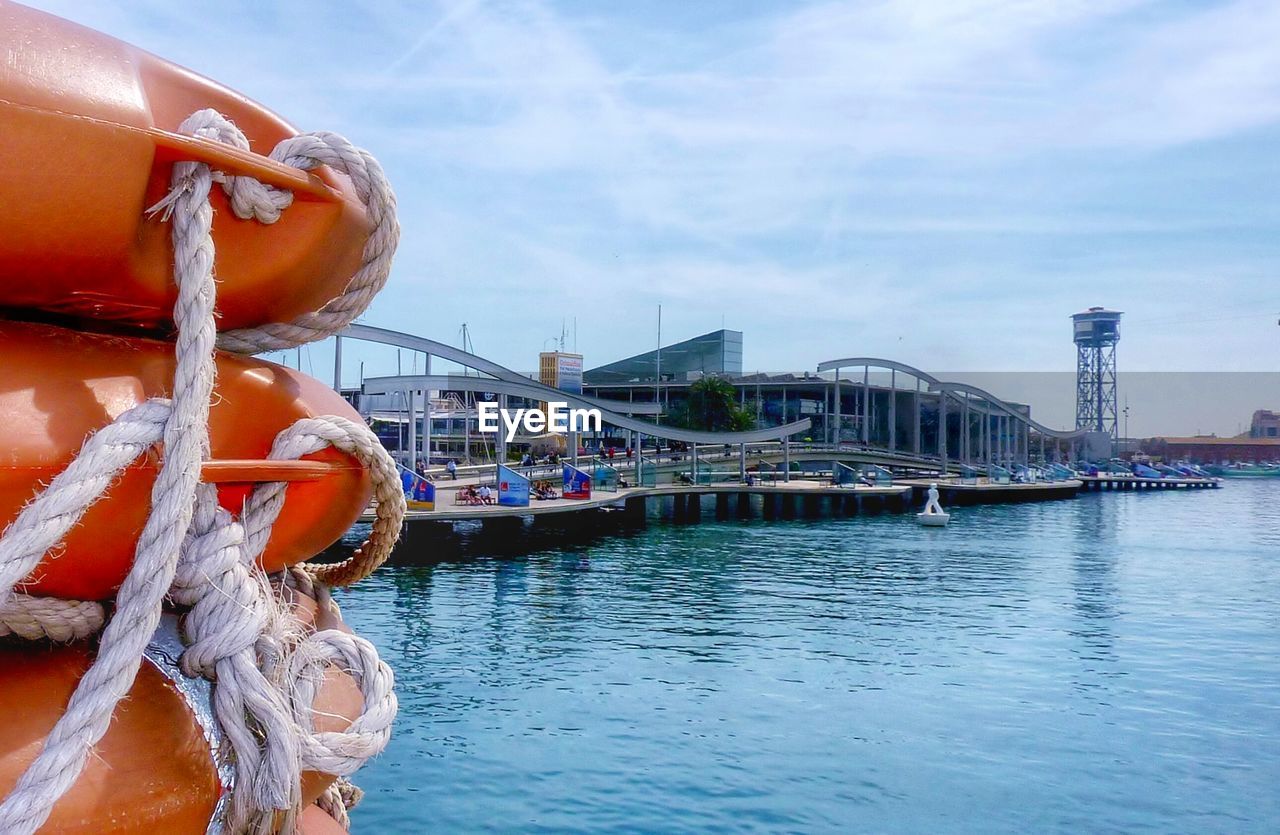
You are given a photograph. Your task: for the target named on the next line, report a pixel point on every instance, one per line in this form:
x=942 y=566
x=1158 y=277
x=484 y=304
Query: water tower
x=1097 y=330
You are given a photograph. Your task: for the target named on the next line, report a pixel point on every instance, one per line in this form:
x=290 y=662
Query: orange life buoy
x=57 y=386
x=154 y=770
x=315 y=821
x=89 y=144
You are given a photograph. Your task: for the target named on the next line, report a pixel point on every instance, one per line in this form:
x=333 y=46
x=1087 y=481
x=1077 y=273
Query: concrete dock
x=775 y=499
x=958 y=494
x=1121 y=481
x=492 y=529
x=607 y=513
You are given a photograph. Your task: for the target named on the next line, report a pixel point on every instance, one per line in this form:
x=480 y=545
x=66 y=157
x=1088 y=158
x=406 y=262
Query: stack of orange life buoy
x=170 y=663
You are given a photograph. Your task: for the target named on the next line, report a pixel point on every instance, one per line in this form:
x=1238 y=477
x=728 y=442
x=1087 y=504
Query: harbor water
x=1109 y=663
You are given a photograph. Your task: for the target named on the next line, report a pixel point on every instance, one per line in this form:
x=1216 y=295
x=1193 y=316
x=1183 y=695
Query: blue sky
x=937 y=182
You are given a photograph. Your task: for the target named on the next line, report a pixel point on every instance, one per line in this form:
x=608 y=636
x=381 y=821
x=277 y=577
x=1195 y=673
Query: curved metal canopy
x=535 y=391
x=944 y=386
x=484 y=366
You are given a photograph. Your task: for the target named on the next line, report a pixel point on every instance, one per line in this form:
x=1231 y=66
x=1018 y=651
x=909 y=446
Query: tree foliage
x=712 y=406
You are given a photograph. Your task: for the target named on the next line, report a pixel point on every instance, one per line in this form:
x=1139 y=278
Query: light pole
x=657 y=381
x=1125 y=410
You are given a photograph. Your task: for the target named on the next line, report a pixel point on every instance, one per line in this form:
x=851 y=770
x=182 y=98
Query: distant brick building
x=1265 y=424
x=1202 y=449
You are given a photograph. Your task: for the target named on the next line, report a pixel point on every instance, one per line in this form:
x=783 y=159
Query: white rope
x=341 y=752
x=250 y=198
x=138 y=603
x=237 y=630
x=234 y=634
x=341 y=796
x=50 y=618
x=311 y=435
x=45 y=520
x=233 y=614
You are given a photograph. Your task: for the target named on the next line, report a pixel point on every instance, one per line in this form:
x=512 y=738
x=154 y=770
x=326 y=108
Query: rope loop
x=252 y=199
x=341 y=752
x=311 y=435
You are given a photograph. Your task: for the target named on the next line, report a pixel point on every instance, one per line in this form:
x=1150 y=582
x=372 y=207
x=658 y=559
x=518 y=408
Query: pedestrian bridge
x=933 y=425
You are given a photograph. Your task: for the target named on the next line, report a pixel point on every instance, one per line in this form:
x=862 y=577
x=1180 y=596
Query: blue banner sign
x=577 y=484
x=513 y=488
x=419 y=493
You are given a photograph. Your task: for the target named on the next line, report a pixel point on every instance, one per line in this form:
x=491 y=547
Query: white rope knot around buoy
x=238 y=631
x=250 y=198
x=341 y=796
x=341 y=753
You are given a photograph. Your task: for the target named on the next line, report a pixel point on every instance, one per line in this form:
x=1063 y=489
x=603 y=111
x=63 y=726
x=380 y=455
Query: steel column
x=426 y=415
x=836 y=439
x=942 y=429
x=500 y=444
x=915 y=439
x=337 y=364
x=413 y=428
x=866 y=405
x=893 y=409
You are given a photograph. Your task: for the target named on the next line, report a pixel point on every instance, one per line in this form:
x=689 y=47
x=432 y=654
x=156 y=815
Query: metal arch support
x=938 y=385
x=535 y=391
x=1001 y=406
x=368 y=333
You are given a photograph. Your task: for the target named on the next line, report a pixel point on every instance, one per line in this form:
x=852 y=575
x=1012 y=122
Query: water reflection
x=1098 y=519
x=1054 y=666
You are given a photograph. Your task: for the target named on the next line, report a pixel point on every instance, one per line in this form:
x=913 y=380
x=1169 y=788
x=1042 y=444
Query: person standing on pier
x=452 y=469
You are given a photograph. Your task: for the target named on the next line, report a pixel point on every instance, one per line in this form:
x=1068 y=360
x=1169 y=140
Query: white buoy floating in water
x=933 y=515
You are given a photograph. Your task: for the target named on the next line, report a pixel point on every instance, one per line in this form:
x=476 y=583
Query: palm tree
x=712 y=406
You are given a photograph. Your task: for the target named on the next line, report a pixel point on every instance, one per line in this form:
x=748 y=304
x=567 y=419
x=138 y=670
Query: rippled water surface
x=1103 y=664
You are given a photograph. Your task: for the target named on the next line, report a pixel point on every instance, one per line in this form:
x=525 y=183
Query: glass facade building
x=718 y=352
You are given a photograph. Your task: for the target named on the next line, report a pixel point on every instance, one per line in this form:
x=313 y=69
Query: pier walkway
x=1121 y=481
x=799 y=498
x=678 y=492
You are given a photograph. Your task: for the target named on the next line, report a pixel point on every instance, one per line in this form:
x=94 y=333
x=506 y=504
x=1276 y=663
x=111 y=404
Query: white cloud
x=918 y=175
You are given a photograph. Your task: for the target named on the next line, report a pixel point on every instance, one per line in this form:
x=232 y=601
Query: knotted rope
x=252 y=199
x=238 y=632
x=340 y=797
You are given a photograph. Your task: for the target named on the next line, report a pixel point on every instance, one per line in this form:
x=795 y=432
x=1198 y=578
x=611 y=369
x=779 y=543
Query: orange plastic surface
x=58 y=385
x=89 y=144
x=153 y=771
x=315 y=821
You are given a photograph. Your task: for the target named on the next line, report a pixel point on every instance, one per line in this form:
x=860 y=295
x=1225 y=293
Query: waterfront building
x=863 y=402
x=1210 y=449
x=1265 y=424
x=718 y=352
x=873 y=403
x=561 y=370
